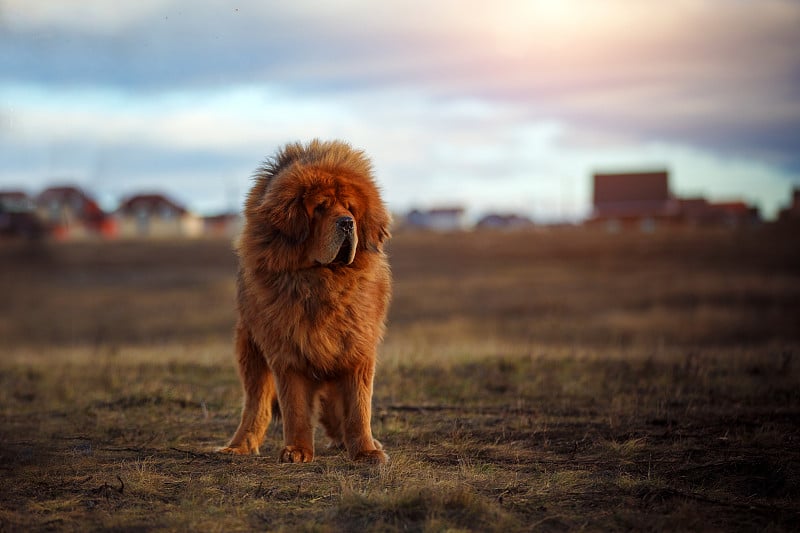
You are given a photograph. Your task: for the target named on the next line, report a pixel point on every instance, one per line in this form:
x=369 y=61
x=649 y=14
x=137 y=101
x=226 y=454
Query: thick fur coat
x=313 y=290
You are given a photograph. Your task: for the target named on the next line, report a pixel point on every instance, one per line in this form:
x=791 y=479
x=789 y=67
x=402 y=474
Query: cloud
x=191 y=145
x=476 y=153
x=524 y=98
x=85 y=16
x=720 y=74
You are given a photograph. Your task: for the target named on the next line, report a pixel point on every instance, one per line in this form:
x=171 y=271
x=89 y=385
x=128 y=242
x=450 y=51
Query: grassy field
x=551 y=380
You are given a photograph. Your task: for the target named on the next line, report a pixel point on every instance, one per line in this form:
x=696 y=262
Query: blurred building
x=636 y=198
x=70 y=213
x=156 y=216
x=701 y=212
x=644 y=200
x=225 y=225
x=438 y=219
x=18 y=216
x=791 y=214
x=504 y=221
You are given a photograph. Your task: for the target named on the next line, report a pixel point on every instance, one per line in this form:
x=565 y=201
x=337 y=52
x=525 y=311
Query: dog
x=313 y=290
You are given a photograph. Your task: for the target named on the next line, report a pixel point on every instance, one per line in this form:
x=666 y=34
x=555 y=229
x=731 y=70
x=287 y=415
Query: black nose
x=345 y=224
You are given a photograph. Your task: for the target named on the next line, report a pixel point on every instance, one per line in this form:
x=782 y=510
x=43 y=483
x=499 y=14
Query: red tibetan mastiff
x=313 y=290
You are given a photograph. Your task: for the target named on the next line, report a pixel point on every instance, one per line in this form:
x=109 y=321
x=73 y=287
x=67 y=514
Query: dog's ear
x=295 y=223
x=285 y=210
x=375 y=227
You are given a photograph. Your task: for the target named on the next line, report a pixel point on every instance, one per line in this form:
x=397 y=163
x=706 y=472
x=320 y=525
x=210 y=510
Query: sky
x=496 y=106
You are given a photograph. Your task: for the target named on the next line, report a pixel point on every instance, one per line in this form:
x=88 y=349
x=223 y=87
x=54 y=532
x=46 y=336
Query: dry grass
x=541 y=381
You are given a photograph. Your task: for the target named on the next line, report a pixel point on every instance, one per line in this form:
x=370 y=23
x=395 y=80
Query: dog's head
x=317 y=205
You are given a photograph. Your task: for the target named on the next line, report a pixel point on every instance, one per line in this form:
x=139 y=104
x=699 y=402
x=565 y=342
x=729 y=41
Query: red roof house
x=70 y=212
x=156 y=216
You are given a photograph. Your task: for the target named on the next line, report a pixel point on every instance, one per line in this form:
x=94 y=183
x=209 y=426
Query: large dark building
x=633 y=195
x=644 y=199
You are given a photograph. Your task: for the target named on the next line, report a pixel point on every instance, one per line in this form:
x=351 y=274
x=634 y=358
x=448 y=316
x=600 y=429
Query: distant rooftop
x=149 y=203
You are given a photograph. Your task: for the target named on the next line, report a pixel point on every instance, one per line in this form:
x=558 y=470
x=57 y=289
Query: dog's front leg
x=357 y=399
x=296 y=399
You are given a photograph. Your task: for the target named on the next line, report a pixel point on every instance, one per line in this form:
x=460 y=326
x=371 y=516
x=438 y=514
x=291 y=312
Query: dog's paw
x=295 y=454
x=376 y=457
x=237 y=450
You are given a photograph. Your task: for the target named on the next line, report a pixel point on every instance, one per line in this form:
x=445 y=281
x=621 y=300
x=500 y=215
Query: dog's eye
x=320 y=207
